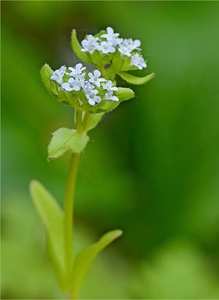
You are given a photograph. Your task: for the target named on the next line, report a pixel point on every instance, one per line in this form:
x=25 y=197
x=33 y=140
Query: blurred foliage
x=156 y=156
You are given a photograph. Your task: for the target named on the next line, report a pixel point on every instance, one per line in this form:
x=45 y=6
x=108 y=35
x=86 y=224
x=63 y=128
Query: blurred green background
x=151 y=167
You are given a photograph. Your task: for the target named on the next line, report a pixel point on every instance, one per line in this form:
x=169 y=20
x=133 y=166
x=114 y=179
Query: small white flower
x=71 y=85
x=134 y=45
x=89 y=44
x=77 y=70
x=124 y=48
x=110 y=35
x=63 y=70
x=109 y=86
x=58 y=75
x=87 y=87
x=106 y=47
x=109 y=96
x=138 y=61
x=95 y=79
x=92 y=97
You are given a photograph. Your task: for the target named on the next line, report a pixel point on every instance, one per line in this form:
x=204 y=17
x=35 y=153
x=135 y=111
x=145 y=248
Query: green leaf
x=124 y=94
x=53 y=220
x=57 y=146
x=78 y=142
x=77 y=48
x=64 y=140
x=134 y=79
x=85 y=258
x=46 y=72
x=96 y=57
x=93 y=120
x=103 y=62
x=115 y=66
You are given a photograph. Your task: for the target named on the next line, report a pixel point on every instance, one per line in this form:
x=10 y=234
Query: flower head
x=109 y=43
x=89 y=86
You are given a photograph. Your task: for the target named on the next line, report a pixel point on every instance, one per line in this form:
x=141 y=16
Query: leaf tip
x=33 y=185
x=118 y=233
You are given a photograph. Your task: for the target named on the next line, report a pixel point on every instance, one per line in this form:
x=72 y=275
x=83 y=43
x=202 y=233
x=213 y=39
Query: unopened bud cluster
x=89 y=84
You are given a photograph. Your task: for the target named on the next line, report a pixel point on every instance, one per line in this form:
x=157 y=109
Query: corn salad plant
x=92 y=94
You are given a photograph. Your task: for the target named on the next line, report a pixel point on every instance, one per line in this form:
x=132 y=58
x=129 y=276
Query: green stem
x=86 y=117
x=79 y=121
x=69 y=207
x=68 y=214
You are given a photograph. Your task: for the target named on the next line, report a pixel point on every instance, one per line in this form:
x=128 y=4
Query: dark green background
x=151 y=167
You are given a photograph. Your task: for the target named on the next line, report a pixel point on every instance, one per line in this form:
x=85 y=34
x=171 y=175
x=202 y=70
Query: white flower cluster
x=110 y=42
x=91 y=84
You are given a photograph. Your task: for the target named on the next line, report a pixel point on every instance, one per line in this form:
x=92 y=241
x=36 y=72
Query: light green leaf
x=46 y=72
x=134 y=79
x=115 y=66
x=85 y=258
x=77 y=48
x=57 y=146
x=103 y=62
x=64 y=140
x=93 y=120
x=78 y=142
x=124 y=94
x=96 y=57
x=53 y=220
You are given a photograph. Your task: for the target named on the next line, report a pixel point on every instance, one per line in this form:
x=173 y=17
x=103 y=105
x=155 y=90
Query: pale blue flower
x=92 y=97
x=58 y=75
x=72 y=85
x=109 y=96
x=138 y=61
x=87 y=87
x=124 y=48
x=95 y=79
x=77 y=70
x=110 y=35
x=106 y=47
x=89 y=44
x=109 y=86
x=134 y=45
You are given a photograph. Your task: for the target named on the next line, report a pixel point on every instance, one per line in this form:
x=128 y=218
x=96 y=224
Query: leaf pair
x=52 y=217
x=65 y=140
